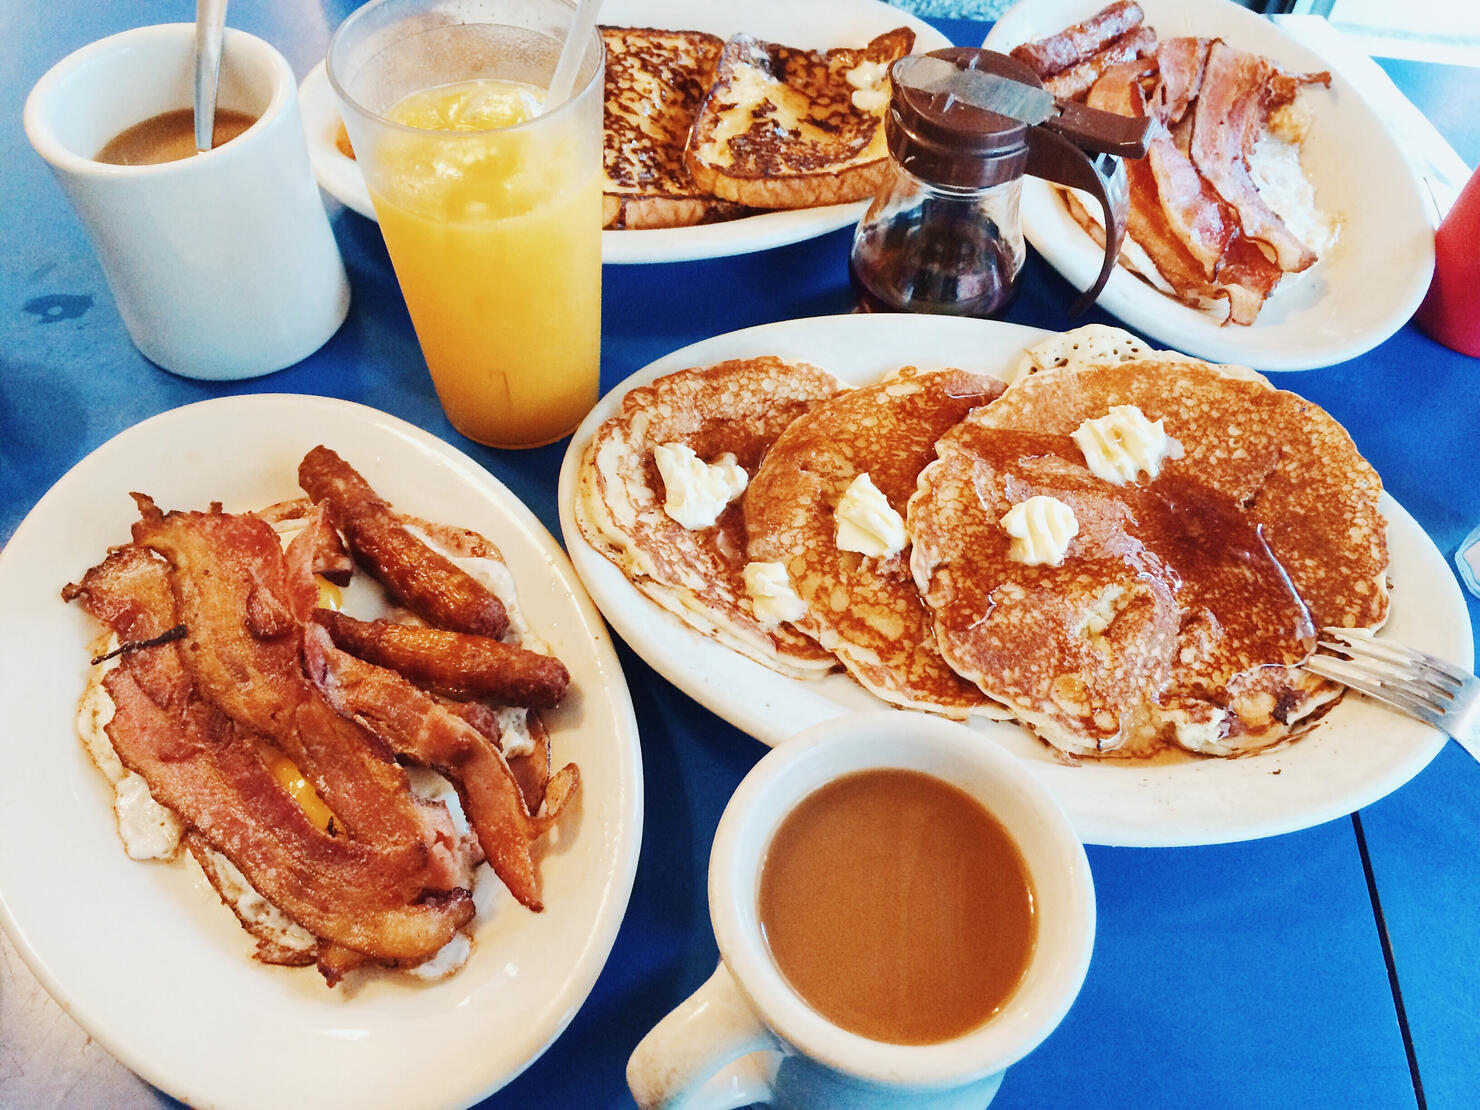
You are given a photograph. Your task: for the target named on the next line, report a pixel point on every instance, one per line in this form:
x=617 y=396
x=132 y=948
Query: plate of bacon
x=1274 y=221
x=323 y=779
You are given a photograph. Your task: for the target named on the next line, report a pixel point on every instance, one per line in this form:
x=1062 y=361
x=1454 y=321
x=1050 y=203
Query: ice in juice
x=493 y=225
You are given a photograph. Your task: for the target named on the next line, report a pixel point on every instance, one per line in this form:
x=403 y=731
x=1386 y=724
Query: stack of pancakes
x=1179 y=615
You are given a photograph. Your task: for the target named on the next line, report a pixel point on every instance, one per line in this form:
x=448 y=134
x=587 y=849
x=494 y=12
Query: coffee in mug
x=897 y=906
x=828 y=876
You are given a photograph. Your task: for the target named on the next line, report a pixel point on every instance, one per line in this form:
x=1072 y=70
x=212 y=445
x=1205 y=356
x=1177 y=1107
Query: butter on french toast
x=790 y=128
x=655 y=81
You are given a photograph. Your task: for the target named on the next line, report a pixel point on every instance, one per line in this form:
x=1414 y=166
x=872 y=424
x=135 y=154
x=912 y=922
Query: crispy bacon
x=209 y=770
x=424 y=731
x=229 y=565
x=1146 y=222
x=1190 y=235
x=1073 y=45
x=431 y=586
x=453 y=664
x=1179 y=65
x=1136 y=44
x=1194 y=212
x=1238 y=92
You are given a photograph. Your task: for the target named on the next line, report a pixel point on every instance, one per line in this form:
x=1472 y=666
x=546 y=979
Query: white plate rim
x=1139 y=806
x=381 y=1015
x=1303 y=339
x=828 y=23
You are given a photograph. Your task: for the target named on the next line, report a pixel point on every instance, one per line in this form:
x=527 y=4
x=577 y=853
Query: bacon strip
x=1194 y=212
x=1190 y=235
x=1135 y=44
x=1146 y=222
x=230 y=566
x=1056 y=53
x=431 y=586
x=1238 y=92
x=209 y=770
x=1180 y=63
x=424 y=731
x=453 y=664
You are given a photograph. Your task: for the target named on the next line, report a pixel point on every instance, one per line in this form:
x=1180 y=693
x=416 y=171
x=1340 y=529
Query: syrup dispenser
x=963 y=127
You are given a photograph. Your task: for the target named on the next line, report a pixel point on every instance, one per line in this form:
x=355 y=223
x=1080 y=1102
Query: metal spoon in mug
x=210 y=25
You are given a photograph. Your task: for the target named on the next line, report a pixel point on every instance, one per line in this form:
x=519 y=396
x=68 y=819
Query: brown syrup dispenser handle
x=1054 y=157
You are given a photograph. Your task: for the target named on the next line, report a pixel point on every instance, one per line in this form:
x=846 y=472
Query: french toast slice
x=655 y=81
x=791 y=128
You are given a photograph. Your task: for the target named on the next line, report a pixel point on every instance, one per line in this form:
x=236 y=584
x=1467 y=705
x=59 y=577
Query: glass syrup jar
x=943 y=234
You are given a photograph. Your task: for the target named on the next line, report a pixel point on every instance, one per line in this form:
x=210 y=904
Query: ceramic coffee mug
x=223 y=264
x=746 y=1036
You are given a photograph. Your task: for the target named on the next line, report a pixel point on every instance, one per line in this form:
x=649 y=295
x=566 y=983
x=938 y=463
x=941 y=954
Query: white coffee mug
x=223 y=264
x=745 y=1036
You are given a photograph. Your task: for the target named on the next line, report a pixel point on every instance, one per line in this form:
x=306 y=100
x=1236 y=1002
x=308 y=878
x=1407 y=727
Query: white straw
x=571 y=53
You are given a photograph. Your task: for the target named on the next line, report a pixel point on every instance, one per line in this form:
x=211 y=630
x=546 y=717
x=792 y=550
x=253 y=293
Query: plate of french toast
x=728 y=129
x=333 y=755
x=1108 y=558
x=1273 y=221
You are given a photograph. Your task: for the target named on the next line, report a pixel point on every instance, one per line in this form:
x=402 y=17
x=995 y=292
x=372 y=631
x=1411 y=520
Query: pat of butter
x=771 y=594
x=866 y=521
x=1041 y=528
x=1122 y=443
x=867 y=79
x=865 y=75
x=697 y=492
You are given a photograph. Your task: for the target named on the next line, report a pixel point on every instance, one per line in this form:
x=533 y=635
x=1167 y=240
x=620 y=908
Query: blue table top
x=1330 y=967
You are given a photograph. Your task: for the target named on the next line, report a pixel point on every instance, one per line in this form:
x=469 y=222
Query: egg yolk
x=330 y=595
x=293 y=781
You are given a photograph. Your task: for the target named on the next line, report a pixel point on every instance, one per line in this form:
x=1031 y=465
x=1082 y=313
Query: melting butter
x=772 y=596
x=697 y=492
x=867 y=523
x=1041 y=528
x=1121 y=444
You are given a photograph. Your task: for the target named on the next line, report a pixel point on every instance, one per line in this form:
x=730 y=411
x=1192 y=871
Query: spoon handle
x=210 y=23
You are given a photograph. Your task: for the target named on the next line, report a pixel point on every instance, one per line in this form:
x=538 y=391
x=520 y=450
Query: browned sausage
x=1073 y=45
x=431 y=586
x=453 y=664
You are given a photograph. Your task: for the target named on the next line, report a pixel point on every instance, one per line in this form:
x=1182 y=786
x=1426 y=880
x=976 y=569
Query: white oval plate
x=1365 y=288
x=143 y=955
x=814 y=25
x=1359 y=753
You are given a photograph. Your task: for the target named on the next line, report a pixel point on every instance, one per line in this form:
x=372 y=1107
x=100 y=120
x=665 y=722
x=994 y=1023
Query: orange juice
x=492 y=218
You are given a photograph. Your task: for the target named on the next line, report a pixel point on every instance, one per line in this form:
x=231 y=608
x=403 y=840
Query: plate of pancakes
x=1140 y=678
x=142 y=953
x=815 y=26
x=1328 y=167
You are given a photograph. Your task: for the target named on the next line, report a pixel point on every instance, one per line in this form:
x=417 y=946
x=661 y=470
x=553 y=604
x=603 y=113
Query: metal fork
x=1420 y=685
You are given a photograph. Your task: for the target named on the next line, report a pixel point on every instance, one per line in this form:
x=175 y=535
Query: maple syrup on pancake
x=897 y=907
x=169 y=137
x=1217 y=557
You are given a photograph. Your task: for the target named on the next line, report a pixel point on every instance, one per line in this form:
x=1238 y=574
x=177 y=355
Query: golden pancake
x=864 y=607
x=737 y=407
x=1185 y=603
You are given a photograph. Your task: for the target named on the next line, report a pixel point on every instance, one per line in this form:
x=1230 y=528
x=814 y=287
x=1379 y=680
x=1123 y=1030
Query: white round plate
x=143 y=955
x=1357 y=754
x=813 y=25
x=1365 y=288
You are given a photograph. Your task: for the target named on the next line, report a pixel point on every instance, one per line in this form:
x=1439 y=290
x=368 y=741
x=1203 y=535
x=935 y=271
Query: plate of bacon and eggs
x=143 y=955
x=1361 y=288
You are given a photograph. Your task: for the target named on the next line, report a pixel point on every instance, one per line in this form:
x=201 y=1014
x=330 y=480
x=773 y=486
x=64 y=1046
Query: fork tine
x=1343 y=672
x=1416 y=681
x=1360 y=642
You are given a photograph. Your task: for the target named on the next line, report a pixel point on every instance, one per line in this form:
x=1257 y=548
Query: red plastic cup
x=1451 y=311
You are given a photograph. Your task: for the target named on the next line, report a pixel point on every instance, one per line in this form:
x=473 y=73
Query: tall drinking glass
x=490 y=204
